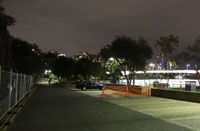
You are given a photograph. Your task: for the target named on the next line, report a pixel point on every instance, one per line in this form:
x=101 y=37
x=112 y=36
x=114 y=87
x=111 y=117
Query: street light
x=188 y=65
x=152 y=65
x=47 y=71
x=111 y=58
x=107 y=72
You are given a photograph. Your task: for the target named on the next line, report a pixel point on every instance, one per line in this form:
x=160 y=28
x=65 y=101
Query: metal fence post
x=0 y=76
x=21 y=84
x=25 y=85
x=10 y=89
x=30 y=83
x=24 y=88
x=16 y=89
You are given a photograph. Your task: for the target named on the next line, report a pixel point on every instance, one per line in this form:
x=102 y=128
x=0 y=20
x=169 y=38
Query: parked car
x=89 y=85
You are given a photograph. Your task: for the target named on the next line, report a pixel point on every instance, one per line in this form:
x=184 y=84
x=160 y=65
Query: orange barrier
x=103 y=91
x=149 y=90
x=126 y=91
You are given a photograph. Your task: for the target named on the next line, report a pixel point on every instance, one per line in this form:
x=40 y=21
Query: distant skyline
x=71 y=26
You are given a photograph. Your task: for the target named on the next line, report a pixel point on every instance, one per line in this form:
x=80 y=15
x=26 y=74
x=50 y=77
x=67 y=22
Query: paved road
x=53 y=108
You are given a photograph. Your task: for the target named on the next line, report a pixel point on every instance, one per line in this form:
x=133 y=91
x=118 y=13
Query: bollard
x=102 y=96
x=126 y=90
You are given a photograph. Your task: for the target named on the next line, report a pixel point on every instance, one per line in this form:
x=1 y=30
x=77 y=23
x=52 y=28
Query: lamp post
x=187 y=66
x=152 y=65
x=111 y=58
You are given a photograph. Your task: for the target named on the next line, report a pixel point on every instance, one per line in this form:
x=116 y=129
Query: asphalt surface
x=53 y=108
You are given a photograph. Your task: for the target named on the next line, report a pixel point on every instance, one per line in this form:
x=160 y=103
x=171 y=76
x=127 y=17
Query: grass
x=182 y=89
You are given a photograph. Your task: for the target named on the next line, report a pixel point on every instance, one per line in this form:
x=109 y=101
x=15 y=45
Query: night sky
x=71 y=26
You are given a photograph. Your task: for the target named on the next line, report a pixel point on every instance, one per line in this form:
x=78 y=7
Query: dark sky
x=71 y=26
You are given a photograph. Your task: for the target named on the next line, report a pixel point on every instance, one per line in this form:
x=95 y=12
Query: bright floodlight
x=47 y=71
x=107 y=72
x=151 y=64
x=111 y=58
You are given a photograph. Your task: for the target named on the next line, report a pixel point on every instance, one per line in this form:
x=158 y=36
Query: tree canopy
x=27 y=58
x=63 y=67
x=5 y=39
x=167 y=46
x=131 y=54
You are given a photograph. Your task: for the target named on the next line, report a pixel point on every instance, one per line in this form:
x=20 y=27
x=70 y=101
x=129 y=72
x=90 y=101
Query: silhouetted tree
x=88 y=67
x=167 y=45
x=27 y=57
x=195 y=50
x=63 y=67
x=5 y=41
x=129 y=53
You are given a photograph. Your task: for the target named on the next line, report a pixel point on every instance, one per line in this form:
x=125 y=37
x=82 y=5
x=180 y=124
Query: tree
x=63 y=67
x=87 y=67
x=84 y=68
x=195 y=50
x=5 y=41
x=167 y=45
x=111 y=67
x=27 y=58
x=130 y=54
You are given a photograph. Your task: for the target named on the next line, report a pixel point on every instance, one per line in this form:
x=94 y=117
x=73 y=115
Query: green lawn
x=182 y=89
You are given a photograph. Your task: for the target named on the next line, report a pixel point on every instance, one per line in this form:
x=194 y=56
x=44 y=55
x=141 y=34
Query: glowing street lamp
x=111 y=58
x=107 y=72
x=47 y=71
x=187 y=66
x=152 y=65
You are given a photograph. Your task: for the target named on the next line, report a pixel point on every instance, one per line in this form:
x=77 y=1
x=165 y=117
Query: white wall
x=176 y=83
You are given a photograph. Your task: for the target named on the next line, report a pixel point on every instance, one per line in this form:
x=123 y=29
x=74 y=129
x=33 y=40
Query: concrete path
x=183 y=113
x=186 y=114
x=53 y=108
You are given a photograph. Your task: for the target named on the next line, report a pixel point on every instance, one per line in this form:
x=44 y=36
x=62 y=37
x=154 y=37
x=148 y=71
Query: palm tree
x=167 y=45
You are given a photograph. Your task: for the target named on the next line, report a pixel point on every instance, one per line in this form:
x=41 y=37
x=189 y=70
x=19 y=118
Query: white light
x=47 y=71
x=188 y=64
x=168 y=71
x=111 y=58
x=62 y=55
x=151 y=64
x=107 y=72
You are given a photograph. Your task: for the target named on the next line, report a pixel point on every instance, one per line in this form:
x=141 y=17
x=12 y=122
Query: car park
x=89 y=85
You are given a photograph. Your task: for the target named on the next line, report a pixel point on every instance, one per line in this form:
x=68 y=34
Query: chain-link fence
x=13 y=87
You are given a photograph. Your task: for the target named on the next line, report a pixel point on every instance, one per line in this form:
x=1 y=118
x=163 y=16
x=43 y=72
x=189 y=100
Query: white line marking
x=148 y=103
x=183 y=118
x=170 y=108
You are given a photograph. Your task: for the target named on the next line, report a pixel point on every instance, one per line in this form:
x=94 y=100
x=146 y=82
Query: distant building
x=55 y=53
x=60 y=54
x=52 y=52
x=81 y=55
